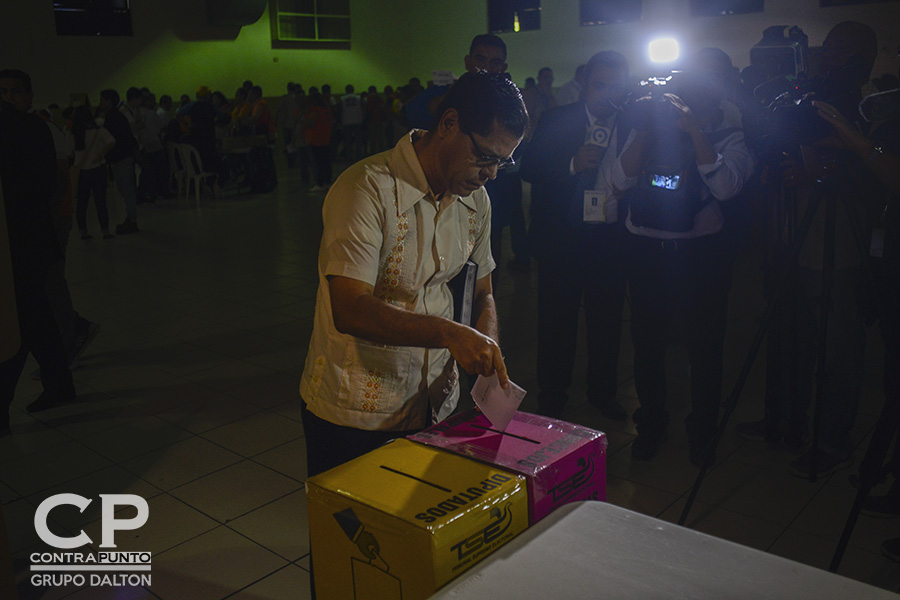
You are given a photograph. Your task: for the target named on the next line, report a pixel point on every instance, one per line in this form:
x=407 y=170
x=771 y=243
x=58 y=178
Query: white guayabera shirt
x=384 y=226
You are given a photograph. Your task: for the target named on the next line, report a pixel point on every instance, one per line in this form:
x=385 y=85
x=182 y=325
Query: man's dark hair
x=21 y=76
x=481 y=98
x=487 y=39
x=541 y=72
x=132 y=93
x=111 y=96
x=608 y=58
x=256 y=89
x=862 y=41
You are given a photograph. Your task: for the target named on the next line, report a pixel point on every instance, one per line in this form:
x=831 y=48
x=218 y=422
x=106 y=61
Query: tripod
x=826 y=191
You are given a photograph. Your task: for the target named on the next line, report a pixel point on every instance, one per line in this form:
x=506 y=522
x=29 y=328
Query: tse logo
x=110 y=524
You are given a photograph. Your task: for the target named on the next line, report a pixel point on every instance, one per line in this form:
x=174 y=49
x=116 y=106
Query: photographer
x=880 y=153
x=685 y=155
x=834 y=157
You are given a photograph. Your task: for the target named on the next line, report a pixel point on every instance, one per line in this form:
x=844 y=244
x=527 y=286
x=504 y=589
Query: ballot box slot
x=491 y=429
x=434 y=485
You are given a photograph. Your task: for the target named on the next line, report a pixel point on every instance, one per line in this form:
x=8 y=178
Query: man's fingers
x=500 y=367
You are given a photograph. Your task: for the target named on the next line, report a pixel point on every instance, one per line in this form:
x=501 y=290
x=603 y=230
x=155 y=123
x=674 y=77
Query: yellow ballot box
x=404 y=519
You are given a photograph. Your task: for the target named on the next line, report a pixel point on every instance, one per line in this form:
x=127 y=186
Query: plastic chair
x=193 y=170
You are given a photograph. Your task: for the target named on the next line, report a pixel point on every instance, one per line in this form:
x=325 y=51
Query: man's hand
x=587 y=157
x=478 y=354
x=687 y=122
x=845 y=134
x=359 y=313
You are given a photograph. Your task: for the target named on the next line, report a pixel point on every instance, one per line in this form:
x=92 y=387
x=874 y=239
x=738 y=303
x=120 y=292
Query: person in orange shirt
x=260 y=120
x=242 y=109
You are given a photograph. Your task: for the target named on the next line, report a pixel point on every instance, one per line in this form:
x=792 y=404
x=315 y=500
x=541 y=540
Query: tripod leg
x=826 y=305
x=814 y=202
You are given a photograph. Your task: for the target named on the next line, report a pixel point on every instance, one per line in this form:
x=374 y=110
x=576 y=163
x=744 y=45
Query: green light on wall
x=516 y=22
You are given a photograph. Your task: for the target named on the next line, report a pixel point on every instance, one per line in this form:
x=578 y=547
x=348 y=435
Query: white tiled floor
x=188 y=398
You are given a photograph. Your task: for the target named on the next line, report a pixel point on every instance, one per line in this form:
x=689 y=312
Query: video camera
x=648 y=109
x=784 y=92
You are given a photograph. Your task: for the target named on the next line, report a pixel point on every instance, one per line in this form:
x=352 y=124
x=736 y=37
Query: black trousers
x=40 y=336
x=322 y=157
x=588 y=273
x=92 y=181
x=679 y=293
x=329 y=445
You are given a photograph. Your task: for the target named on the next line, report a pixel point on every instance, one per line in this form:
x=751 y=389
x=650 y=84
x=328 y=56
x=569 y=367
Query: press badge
x=599 y=207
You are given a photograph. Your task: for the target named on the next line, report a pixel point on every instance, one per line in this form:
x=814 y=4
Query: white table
x=591 y=550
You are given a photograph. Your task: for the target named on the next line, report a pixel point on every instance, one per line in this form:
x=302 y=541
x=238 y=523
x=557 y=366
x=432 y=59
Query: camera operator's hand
x=686 y=120
x=587 y=157
x=847 y=136
x=688 y=123
x=884 y=164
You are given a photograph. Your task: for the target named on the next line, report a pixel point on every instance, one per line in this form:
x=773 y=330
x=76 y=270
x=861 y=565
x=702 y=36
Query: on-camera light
x=663 y=50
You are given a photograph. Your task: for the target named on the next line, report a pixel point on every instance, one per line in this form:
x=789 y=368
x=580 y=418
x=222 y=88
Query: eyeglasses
x=483 y=159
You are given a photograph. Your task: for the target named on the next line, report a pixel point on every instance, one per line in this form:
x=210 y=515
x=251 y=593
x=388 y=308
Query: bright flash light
x=663 y=50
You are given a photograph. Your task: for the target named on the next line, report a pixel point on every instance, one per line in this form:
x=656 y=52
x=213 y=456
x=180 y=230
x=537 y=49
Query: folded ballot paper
x=497 y=404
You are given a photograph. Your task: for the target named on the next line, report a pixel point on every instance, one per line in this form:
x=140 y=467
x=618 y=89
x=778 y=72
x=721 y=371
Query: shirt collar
x=412 y=185
x=592 y=120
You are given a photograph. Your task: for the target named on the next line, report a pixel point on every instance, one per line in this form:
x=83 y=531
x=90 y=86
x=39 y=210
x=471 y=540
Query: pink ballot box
x=562 y=462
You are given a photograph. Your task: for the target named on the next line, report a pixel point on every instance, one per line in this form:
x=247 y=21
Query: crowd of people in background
x=127 y=136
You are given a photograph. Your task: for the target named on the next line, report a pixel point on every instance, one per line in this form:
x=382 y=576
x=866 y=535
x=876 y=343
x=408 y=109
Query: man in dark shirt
x=578 y=251
x=121 y=158
x=28 y=174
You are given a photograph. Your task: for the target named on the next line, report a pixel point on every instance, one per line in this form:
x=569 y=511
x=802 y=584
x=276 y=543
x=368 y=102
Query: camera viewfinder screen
x=667 y=182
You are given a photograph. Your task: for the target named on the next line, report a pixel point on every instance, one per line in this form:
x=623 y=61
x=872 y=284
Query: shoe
x=317 y=188
x=882 y=507
x=700 y=448
x=755 y=431
x=611 y=409
x=127 y=227
x=521 y=266
x=73 y=364
x=646 y=446
x=86 y=236
x=46 y=401
x=891 y=549
x=826 y=464
x=107 y=235
x=83 y=340
x=796 y=442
